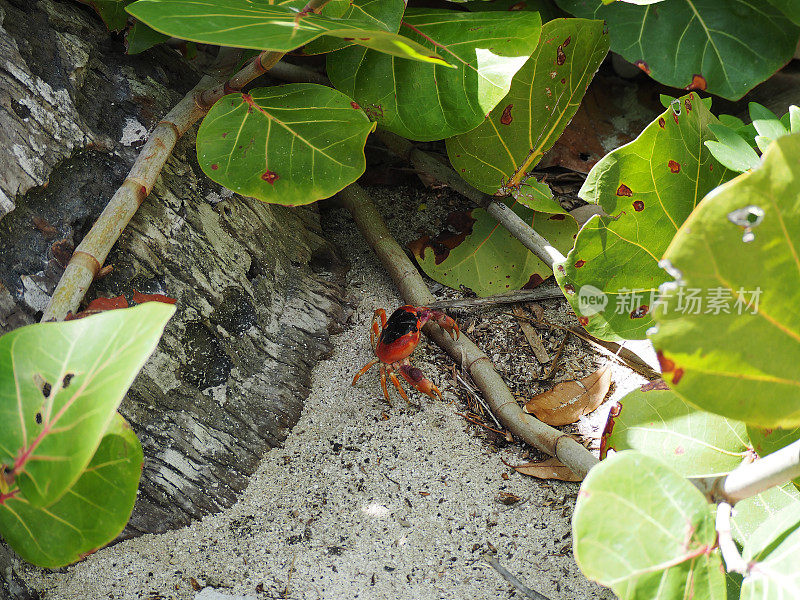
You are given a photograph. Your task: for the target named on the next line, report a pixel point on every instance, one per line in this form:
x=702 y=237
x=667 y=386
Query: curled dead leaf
x=552 y=468
x=570 y=400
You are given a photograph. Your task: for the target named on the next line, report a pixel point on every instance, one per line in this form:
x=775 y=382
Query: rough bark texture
x=257 y=287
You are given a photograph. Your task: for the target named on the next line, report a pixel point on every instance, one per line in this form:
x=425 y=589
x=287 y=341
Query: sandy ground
x=363 y=501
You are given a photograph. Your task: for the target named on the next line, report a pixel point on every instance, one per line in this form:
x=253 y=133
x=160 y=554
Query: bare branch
x=545 y=291
x=734 y=562
x=512 y=579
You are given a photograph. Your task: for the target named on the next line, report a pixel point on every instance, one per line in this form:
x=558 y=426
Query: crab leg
x=399 y=387
x=364 y=369
x=415 y=377
x=383 y=384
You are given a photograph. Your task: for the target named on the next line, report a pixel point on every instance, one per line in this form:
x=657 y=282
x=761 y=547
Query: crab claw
x=415 y=377
x=446 y=323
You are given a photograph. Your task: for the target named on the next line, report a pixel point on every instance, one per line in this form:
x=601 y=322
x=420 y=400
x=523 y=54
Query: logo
x=591 y=300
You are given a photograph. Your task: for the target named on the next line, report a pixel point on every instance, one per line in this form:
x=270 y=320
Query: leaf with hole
x=500 y=153
x=381 y=14
x=649 y=187
x=720 y=47
x=89 y=515
x=428 y=102
x=60 y=386
x=643 y=530
x=738 y=355
x=288 y=144
x=659 y=423
x=482 y=255
x=280 y=27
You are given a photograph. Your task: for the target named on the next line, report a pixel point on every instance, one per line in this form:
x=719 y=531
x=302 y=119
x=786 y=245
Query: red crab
x=394 y=342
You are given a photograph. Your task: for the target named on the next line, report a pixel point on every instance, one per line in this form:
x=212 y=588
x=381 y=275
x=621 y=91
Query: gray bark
x=257 y=287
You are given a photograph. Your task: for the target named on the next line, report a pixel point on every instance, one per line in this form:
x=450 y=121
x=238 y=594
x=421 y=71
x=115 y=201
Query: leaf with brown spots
x=476 y=252
x=568 y=401
x=288 y=144
x=545 y=94
x=648 y=187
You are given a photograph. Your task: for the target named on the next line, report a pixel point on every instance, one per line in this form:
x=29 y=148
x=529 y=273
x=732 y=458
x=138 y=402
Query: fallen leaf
x=570 y=400
x=534 y=340
x=140 y=298
x=552 y=468
x=99 y=305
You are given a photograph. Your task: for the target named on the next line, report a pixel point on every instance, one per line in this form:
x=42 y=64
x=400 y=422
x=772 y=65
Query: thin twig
x=544 y=291
x=734 y=563
x=474 y=393
x=556 y=359
x=512 y=579
x=413 y=289
x=88 y=258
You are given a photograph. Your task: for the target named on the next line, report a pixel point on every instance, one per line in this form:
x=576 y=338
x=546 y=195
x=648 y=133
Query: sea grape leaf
x=723 y=48
x=265 y=26
x=738 y=355
x=89 y=515
x=643 y=530
x=485 y=257
x=767 y=441
x=731 y=149
x=140 y=37
x=499 y=154
x=790 y=8
x=692 y=442
x=753 y=511
x=649 y=187
x=427 y=102
x=111 y=11
x=288 y=144
x=60 y=386
x=773 y=556
x=381 y=14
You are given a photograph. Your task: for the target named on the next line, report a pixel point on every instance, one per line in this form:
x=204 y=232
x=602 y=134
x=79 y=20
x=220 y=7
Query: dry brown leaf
x=534 y=340
x=570 y=400
x=552 y=468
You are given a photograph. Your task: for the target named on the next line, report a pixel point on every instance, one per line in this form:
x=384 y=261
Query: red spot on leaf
x=679 y=450
x=677 y=376
x=710 y=167
x=567 y=41
x=583 y=321
x=506 y=117
x=569 y=289
x=643 y=66
x=667 y=365
x=349 y=39
x=270 y=176
x=640 y=312
x=688 y=103
x=561 y=269
x=675 y=117
x=563 y=80
x=214 y=167
x=355 y=105
x=364 y=39
x=624 y=190
x=661 y=122
x=608 y=429
x=580 y=263
x=224 y=135
x=674 y=166
x=698 y=83
x=638 y=206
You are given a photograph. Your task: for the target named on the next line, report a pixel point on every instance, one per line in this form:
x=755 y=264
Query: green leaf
x=740 y=247
x=111 y=11
x=380 y=14
x=692 y=442
x=753 y=511
x=427 y=102
x=649 y=187
x=790 y=8
x=547 y=9
x=60 y=386
x=773 y=555
x=485 y=257
x=140 y=37
x=89 y=515
x=732 y=150
x=500 y=153
x=289 y=144
x=644 y=531
x=263 y=26
x=698 y=44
